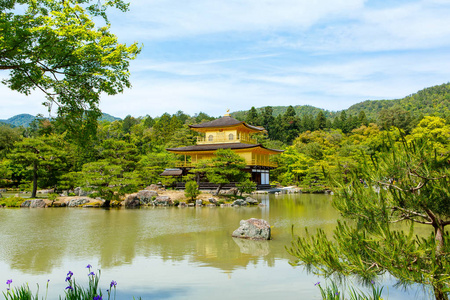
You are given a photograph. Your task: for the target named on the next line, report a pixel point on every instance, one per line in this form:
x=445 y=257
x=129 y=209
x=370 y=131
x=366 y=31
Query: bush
x=246 y=186
x=191 y=190
x=53 y=196
x=12 y=202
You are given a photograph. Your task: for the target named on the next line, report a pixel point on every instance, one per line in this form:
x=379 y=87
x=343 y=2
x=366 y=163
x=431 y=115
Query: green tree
x=54 y=46
x=8 y=136
x=321 y=121
x=225 y=167
x=108 y=179
x=246 y=186
x=41 y=157
x=252 y=117
x=406 y=182
x=191 y=190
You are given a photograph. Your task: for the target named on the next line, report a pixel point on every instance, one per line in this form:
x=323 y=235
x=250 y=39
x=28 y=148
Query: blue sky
x=214 y=55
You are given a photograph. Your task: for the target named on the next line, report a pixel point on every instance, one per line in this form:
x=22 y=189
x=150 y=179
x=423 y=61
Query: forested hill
x=24 y=120
x=300 y=110
x=432 y=100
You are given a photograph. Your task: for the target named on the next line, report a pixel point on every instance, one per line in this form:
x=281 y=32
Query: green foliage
x=432 y=100
x=53 y=196
x=11 y=201
x=334 y=293
x=107 y=179
x=20 y=293
x=191 y=190
x=246 y=186
x=40 y=158
x=8 y=136
x=406 y=182
x=54 y=46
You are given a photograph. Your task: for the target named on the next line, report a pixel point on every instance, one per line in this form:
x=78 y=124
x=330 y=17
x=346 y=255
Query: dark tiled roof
x=225 y=121
x=214 y=147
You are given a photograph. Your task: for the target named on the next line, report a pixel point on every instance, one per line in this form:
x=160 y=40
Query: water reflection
x=36 y=240
x=167 y=253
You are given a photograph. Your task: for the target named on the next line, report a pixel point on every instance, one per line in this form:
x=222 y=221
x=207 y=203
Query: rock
x=261 y=205
x=191 y=205
x=254 y=229
x=35 y=203
x=80 y=192
x=146 y=196
x=25 y=203
x=232 y=191
x=198 y=202
x=1 y=196
x=153 y=187
x=132 y=201
x=239 y=202
x=225 y=205
x=46 y=191
x=182 y=204
x=210 y=205
x=2 y=190
x=78 y=202
x=251 y=201
x=162 y=200
x=212 y=200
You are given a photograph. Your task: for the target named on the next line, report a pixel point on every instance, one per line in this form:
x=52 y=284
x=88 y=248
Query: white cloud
x=174 y=19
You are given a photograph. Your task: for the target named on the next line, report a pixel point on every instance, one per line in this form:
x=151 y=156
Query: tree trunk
x=35 y=177
x=219 y=188
x=438 y=287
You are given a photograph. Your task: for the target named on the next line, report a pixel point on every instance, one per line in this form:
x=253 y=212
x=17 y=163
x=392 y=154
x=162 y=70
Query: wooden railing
x=254 y=162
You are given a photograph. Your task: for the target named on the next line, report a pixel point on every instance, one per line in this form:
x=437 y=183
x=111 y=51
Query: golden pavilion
x=229 y=133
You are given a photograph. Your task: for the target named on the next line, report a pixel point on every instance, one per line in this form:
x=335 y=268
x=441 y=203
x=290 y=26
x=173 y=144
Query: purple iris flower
x=113 y=283
x=98 y=297
x=9 y=281
x=89 y=266
x=69 y=288
x=317 y=283
x=91 y=274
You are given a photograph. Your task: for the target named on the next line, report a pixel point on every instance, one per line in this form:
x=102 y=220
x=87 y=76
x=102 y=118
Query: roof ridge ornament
x=227 y=114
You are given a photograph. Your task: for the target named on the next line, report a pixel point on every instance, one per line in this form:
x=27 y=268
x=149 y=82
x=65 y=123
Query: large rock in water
x=254 y=229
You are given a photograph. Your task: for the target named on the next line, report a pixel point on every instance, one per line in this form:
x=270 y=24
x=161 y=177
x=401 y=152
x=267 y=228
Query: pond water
x=167 y=253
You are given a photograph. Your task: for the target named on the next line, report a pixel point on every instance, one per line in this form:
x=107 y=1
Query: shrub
x=246 y=186
x=53 y=196
x=12 y=202
x=191 y=190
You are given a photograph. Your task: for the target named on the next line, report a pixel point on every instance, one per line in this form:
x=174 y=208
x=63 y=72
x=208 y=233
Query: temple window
x=210 y=138
x=231 y=137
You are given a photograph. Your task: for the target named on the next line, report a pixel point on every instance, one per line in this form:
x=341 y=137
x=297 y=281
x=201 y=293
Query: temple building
x=229 y=133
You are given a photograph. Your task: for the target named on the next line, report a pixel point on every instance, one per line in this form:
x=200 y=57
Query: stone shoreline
x=159 y=197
